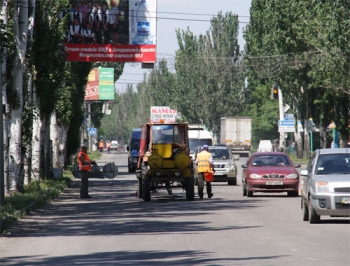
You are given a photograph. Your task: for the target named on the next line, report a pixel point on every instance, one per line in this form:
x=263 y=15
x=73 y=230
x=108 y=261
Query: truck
x=235 y=133
x=164 y=161
x=198 y=136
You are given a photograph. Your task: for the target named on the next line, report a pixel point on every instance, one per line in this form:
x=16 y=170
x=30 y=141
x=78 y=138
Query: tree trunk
x=28 y=158
x=55 y=141
x=323 y=137
x=36 y=147
x=20 y=19
x=3 y=126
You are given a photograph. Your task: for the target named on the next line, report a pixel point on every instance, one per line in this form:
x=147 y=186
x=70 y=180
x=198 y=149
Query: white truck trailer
x=235 y=133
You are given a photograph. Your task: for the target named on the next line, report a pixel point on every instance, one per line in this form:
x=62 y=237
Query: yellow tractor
x=164 y=160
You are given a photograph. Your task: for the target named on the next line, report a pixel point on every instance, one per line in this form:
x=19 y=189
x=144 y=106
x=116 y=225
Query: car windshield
x=219 y=154
x=270 y=160
x=194 y=143
x=167 y=134
x=333 y=163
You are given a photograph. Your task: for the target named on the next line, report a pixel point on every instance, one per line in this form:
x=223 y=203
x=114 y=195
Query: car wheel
x=249 y=193
x=292 y=193
x=244 y=189
x=314 y=218
x=232 y=182
x=304 y=210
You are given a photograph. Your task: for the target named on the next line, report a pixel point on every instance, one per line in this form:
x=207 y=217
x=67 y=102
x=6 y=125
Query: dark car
x=133 y=149
x=270 y=172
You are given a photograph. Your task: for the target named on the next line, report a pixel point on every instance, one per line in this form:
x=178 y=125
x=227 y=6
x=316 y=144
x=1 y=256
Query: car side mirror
x=244 y=165
x=304 y=172
x=297 y=165
x=127 y=148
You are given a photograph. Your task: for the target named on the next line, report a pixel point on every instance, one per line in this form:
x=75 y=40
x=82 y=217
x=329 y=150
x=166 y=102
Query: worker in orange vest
x=84 y=163
x=204 y=162
x=101 y=145
x=108 y=146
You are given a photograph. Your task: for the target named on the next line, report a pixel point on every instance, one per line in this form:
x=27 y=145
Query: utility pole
x=281 y=111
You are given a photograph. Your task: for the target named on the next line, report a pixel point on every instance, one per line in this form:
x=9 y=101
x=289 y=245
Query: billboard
x=164 y=114
x=117 y=31
x=100 y=85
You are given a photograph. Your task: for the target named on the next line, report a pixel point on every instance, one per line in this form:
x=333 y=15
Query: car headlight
x=292 y=176
x=230 y=165
x=322 y=186
x=255 y=176
x=134 y=160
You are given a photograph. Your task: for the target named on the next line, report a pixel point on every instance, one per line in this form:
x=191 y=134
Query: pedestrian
x=101 y=145
x=204 y=162
x=108 y=146
x=84 y=163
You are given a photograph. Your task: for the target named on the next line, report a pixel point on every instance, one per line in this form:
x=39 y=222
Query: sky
x=183 y=14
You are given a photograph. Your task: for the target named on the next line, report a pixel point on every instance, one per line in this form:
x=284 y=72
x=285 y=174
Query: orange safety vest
x=101 y=145
x=203 y=162
x=83 y=167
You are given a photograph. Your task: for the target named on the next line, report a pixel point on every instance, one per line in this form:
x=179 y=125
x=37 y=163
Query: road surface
x=117 y=228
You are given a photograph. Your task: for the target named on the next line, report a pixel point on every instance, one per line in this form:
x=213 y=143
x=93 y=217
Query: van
x=133 y=149
x=198 y=137
x=265 y=146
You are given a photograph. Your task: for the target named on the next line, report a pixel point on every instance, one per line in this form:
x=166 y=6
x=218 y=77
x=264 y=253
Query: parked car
x=270 y=172
x=114 y=145
x=224 y=165
x=326 y=185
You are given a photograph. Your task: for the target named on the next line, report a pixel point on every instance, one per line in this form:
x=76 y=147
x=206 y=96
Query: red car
x=270 y=172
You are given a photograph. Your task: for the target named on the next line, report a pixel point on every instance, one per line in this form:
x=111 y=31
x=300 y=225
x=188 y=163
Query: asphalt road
x=116 y=228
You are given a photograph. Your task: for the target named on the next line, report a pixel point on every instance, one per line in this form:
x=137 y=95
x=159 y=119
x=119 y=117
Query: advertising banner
x=116 y=31
x=164 y=114
x=100 y=85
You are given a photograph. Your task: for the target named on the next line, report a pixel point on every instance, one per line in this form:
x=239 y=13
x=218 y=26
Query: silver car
x=326 y=185
x=224 y=165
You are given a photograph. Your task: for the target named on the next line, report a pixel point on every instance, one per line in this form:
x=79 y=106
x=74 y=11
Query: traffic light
x=275 y=93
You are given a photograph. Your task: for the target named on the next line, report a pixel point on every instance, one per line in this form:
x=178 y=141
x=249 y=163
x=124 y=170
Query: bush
x=35 y=195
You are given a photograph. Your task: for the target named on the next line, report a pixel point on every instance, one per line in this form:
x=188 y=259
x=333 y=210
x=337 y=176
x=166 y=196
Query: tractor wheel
x=139 y=191
x=189 y=181
x=146 y=188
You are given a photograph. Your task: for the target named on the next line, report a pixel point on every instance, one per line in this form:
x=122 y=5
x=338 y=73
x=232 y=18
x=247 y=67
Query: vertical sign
x=100 y=85
x=106 y=83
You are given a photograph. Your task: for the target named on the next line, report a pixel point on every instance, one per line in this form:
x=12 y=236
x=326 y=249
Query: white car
x=114 y=145
x=326 y=185
x=224 y=165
